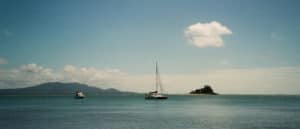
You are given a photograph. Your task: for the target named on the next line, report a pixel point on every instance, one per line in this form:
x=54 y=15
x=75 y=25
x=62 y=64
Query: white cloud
x=207 y=34
x=93 y=76
x=3 y=61
x=32 y=74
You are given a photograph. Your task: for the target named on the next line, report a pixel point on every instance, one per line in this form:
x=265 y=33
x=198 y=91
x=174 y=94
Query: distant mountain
x=59 y=88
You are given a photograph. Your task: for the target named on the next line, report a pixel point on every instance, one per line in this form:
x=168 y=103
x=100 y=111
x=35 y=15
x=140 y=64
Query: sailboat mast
x=158 y=84
x=156 y=77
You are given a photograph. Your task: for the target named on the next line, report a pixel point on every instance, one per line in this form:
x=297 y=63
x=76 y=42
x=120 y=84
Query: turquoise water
x=133 y=112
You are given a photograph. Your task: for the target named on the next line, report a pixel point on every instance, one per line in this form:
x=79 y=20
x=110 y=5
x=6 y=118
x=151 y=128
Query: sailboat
x=79 y=95
x=158 y=93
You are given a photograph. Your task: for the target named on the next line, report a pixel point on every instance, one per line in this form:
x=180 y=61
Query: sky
x=237 y=47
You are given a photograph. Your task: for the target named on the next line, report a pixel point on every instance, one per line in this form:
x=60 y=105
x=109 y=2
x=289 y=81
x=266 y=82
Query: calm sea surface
x=133 y=112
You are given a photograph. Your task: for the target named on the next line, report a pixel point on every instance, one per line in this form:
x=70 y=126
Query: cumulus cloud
x=93 y=76
x=207 y=34
x=3 y=61
x=25 y=75
x=32 y=74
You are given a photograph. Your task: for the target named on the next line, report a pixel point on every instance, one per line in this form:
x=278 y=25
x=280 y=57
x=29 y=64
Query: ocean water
x=133 y=112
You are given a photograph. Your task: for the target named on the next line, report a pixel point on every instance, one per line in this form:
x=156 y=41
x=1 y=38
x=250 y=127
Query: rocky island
x=206 y=90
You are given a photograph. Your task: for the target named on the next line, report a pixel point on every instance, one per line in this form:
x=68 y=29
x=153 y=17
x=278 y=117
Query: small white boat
x=79 y=95
x=158 y=93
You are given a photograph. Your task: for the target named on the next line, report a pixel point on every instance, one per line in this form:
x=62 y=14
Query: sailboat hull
x=79 y=97
x=155 y=97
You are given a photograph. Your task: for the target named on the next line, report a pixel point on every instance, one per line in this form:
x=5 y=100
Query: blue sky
x=129 y=35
